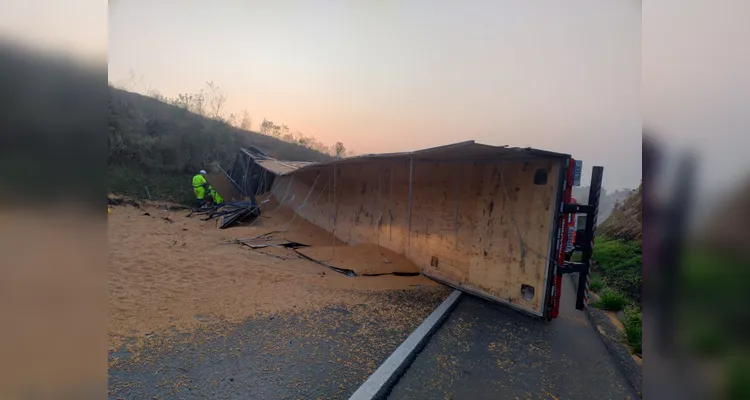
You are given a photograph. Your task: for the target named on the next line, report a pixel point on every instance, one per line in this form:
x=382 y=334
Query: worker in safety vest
x=215 y=196
x=199 y=188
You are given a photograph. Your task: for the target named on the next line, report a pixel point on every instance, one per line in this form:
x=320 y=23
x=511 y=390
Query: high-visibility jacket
x=199 y=182
x=215 y=195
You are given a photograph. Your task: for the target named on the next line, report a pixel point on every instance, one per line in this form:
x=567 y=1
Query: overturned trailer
x=253 y=172
x=488 y=220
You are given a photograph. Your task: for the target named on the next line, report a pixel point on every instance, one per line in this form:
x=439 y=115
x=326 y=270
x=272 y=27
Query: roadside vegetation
x=616 y=280
x=711 y=320
x=616 y=275
x=611 y=300
x=596 y=283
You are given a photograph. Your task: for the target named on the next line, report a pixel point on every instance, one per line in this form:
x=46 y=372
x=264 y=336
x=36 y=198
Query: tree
x=246 y=122
x=216 y=100
x=183 y=101
x=194 y=103
x=269 y=128
x=299 y=138
x=339 y=150
x=199 y=103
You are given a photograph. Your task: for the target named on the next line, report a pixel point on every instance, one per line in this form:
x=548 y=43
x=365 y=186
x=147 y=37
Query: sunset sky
x=389 y=76
x=385 y=76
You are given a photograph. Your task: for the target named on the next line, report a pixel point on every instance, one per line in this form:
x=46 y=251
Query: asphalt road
x=482 y=351
x=325 y=354
x=486 y=351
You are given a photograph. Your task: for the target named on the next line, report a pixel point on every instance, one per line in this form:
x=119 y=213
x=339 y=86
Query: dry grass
x=626 y=220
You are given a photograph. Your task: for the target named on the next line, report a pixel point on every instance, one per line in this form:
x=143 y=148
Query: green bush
x=610 y=252
x=633 y=322
x=596 y=283
x=619 y=263
x=611 y=300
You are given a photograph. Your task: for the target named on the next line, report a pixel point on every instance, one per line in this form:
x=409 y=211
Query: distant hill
x=606 y=200
x=160 y=146
x=626 y=219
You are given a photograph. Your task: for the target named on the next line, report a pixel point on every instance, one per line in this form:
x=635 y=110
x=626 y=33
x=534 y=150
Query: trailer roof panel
x=462 y=151
x=281 y=167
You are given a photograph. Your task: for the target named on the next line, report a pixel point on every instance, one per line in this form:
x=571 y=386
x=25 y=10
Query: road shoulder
x=612 y=337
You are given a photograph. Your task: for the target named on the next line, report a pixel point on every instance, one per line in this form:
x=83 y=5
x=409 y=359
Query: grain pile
x=363 y=259
x=281 y=222
x=170 y=273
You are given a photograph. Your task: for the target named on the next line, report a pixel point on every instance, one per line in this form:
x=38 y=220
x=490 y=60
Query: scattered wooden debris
x=232 y=213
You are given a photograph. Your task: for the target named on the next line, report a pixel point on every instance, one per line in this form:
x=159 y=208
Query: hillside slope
x=626 y=220
x=606 y=200
x=617 y=273
x=161 y=136
x=160 y=146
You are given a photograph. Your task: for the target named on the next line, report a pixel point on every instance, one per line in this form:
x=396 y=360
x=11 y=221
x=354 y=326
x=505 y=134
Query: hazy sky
x=392 y=75
x=75 y=27
x=386 y=75
x=696 y=89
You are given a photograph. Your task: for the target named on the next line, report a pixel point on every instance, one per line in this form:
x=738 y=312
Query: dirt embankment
x=626 y=220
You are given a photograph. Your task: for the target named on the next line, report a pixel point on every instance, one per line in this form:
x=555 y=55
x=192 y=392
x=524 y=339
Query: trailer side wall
x=481 y=226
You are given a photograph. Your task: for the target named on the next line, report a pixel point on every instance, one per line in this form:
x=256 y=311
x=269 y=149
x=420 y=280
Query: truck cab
x=576 y=231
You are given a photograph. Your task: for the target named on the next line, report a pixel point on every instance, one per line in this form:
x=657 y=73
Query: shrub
x=596 y=283
x=611 y=300
x=620 y=264
x=633 y=322
x=609 y=253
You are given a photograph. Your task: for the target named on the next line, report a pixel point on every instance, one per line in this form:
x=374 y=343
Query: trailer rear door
x=507 y=235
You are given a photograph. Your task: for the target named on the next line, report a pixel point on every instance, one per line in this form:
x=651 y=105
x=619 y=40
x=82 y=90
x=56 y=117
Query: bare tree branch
x=216 y=100
x=246 y=122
